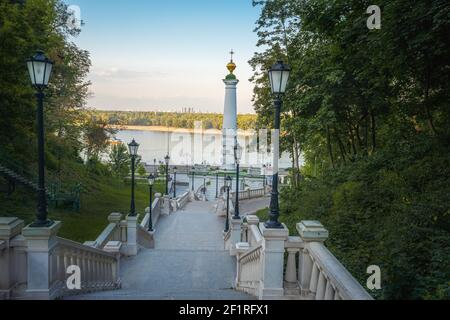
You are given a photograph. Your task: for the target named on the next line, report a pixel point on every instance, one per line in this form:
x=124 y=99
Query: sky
x=167 y=54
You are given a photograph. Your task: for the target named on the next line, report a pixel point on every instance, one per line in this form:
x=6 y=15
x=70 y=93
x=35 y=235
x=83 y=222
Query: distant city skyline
x=152 y=55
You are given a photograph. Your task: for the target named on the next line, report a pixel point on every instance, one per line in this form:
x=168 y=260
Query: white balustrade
x=311 y=271
x=99 y=269
x=156 y=212
x=318 y=275
x=249 y=273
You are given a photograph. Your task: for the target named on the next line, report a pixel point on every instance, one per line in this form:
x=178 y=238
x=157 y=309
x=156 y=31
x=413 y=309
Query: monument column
x=229 y=128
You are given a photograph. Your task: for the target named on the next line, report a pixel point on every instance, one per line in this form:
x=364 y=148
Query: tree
x=371 y=108
x=119 y=160
x=97 y=135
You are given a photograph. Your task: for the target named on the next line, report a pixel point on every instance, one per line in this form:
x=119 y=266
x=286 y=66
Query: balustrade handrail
x=348 y=287
x=106 y=235
x=253 y=253
x=256 y=234
x=79 y=246
x=156 y=205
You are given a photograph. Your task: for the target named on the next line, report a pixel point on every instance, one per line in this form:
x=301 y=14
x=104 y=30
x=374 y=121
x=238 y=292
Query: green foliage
x=119 y=160
x=172 y=119
x=141 y=170
x=369 y=111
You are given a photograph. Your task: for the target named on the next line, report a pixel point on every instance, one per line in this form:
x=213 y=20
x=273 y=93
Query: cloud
x=123 y=74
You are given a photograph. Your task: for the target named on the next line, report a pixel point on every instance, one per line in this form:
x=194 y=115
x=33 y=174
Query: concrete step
x=204 y=294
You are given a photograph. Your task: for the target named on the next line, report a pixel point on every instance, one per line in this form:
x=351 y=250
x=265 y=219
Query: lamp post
x=167 y=160
x=151 y=182
x=264 y=181
x=237 y=159
x=278 y=76
x=227 y=187
x=40 y=69
x=204 y=185
x=133 y=147
x=217 y=185
x=193 y=177
x=175 y=182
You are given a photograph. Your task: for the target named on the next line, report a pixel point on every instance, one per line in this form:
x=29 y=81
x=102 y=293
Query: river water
x=189 y=149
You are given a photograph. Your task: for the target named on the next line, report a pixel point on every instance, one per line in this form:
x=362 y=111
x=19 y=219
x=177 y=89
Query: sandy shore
x=173 y=129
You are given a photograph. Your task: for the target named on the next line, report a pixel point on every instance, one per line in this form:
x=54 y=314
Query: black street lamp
x=167 y=160
x=204 y=186
x=237 y=159
x=264 y=181
x=133 y=147
x=175 y=182
x=278 y=76
x=217 y=185
x=151 y=182
x=40 y=69
x=227 y=187
x=193 y=177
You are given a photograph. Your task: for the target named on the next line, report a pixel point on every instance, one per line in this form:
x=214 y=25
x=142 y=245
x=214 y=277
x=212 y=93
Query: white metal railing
x=99 y=269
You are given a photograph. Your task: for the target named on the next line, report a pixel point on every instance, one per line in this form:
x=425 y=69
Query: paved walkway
x=247 y=207
x=189 y=261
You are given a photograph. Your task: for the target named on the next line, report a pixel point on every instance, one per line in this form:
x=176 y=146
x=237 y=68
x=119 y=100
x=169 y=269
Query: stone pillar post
x=309 y=231
x=115 y=218
x=165 y=209
x=273 y=262
x=40 y=244
x=235 y=237
x=252 y=222
x=9 y=228
x=132 y=243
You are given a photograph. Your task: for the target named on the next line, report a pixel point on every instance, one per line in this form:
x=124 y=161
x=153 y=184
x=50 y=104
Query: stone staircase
x=189 y=262
x=20 y=179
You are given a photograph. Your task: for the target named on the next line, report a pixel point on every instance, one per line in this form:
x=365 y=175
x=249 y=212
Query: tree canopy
x=368 y=110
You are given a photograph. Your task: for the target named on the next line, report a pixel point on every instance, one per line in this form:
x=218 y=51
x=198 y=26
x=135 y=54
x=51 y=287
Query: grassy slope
x=109 y=195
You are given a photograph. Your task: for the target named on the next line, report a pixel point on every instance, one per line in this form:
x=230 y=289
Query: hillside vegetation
x=369 y=109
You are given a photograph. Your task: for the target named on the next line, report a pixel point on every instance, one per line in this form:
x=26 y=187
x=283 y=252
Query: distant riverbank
x=174 y=129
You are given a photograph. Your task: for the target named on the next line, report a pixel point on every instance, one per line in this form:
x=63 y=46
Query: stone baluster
x=321 y=285
x=58 y=264
x=304 y=272
x=84 y=274
x=88 y=272
x=329 y=292
x=291 y=286
x=9 y=229
x=314 y=280
x=336 y=295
